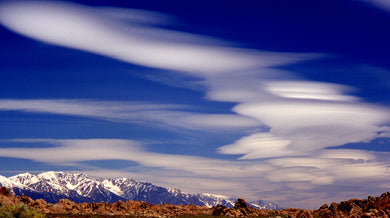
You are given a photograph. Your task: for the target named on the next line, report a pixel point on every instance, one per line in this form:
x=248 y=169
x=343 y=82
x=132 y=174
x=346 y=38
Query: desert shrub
x=19 y=211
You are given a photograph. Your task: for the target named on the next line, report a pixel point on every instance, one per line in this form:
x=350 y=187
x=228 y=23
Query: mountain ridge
x=78 y=187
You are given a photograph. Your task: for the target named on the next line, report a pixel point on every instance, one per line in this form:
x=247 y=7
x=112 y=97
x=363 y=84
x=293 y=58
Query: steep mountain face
x=53 y=186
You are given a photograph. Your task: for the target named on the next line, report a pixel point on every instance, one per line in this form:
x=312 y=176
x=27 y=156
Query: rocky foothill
x=370 y=207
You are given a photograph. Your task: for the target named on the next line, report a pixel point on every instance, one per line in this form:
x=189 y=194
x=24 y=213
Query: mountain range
x=53 y=186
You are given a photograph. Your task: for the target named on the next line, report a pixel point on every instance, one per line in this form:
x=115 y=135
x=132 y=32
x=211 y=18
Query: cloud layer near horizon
x=304 y=117
x=288 y=175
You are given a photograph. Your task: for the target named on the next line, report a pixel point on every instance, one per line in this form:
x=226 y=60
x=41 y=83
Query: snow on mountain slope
x=14 y=186
x=112 y=187
x=213 y=200
x=53 y=186
x=264 y=205
x=5 y=182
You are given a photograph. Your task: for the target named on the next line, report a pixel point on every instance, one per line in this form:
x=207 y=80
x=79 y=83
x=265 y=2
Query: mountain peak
x=26 y=174
x=51 y=175
x=24 y=178
x=4 y=181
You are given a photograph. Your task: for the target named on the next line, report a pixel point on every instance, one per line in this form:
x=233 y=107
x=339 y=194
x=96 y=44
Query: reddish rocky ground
x=370 y=207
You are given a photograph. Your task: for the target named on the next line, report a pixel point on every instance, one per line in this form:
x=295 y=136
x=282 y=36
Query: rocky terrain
x=370 y=207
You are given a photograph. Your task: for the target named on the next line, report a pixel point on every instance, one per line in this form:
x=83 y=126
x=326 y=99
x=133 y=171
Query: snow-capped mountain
x=53 y=186
x=57 y=185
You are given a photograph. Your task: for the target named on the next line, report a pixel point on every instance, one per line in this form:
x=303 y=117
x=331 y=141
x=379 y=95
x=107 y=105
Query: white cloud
x=384 y=4
x=300 y=174
x=331 y=165
x=309 y=90
x=135 y=112
x=71 y=151
x=346 y=154
x=313 y=125
x=219 y=121
x=259 y=145
x=304 y=117
x=81 y=27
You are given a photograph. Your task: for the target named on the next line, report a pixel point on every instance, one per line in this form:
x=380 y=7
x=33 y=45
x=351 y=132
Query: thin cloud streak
x=310 y=90
x=383 y=4
x=71 y=151
x=133 y=112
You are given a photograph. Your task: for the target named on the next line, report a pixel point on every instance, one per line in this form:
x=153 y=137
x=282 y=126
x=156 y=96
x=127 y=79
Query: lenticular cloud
x=84 y=28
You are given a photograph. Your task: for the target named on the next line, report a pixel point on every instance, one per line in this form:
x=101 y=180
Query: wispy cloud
x=309 y=90
x=384 y=4
x=133 y=112
x=71 y=151
x=81 y=27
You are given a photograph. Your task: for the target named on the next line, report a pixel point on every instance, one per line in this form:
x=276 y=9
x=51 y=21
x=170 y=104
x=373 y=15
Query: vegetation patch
x=19 y=211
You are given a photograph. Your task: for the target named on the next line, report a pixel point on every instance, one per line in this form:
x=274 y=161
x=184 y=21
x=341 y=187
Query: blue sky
x=275 y=100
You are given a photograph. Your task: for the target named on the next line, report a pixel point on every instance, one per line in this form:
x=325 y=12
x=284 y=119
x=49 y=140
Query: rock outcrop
x=370 y=207
x=132 y=208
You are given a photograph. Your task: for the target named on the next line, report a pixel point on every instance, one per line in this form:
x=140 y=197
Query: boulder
x=240 y=204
